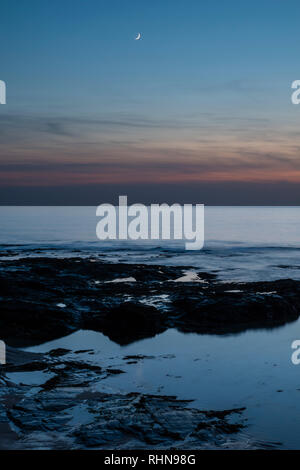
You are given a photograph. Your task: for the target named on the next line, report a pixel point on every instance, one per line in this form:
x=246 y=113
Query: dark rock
x=65 y=412
x=58 y=352
x=134 y=321
x=31 y=290
x=114 y=421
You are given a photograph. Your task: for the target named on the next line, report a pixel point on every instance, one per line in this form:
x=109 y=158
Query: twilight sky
x=198 y=110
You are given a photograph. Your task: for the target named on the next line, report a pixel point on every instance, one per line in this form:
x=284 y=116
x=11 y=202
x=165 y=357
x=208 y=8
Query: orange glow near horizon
x=56 y=178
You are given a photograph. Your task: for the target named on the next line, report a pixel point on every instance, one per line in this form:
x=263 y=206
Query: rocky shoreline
x=46 y=298
x=67 y=412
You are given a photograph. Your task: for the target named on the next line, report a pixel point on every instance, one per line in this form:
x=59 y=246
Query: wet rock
x=113 y=421
x=147 y=421
x=134 y=321
x=137 y=357
x=73 y=410
x=18 y=360
x=58 y=352
x=32 y=289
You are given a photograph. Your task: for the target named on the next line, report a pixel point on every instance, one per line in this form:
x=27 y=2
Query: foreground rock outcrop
x=46 y=298
x=59 y=400
x=68 y=411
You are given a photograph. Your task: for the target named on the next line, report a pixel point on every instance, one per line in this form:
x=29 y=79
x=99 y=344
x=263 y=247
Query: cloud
x=169 y=165
x=131 y=148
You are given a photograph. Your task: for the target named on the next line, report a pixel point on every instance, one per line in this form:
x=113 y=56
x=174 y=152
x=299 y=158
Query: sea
x=240 y=243
x=251 y=369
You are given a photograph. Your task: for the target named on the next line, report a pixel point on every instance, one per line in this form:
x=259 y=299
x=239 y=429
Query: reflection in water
x=251 y=369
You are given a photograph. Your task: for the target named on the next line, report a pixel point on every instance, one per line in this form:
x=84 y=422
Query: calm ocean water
x=241 y=243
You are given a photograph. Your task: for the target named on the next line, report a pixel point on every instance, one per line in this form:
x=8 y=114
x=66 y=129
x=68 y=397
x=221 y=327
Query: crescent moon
x=138 y=37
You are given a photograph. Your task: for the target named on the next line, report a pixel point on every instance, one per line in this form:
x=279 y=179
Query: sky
x=198 y=110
